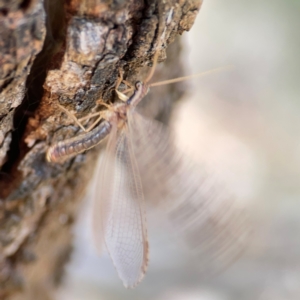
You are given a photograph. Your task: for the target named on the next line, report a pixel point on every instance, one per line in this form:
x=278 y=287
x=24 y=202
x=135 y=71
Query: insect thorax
x=120 y=114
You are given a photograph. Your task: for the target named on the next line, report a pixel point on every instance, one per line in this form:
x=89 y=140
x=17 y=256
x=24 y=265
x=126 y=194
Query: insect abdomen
x=70 y=147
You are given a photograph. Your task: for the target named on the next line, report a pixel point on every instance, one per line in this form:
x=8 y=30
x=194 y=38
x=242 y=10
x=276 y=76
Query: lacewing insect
x=141 y=159
x=202 y=212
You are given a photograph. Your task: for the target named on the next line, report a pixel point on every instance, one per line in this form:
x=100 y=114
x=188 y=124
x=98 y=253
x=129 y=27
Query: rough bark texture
x=68 y=53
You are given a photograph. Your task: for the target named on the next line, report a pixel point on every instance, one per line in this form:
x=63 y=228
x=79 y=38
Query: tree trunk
x=67 y=53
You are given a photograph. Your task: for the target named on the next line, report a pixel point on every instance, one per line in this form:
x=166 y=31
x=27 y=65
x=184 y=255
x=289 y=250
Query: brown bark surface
x=67 y=53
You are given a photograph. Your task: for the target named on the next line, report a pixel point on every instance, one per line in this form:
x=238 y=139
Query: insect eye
x=138 y=84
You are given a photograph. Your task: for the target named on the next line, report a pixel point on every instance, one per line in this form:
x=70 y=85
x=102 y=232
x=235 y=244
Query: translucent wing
x=201 y=210
x=121 y=202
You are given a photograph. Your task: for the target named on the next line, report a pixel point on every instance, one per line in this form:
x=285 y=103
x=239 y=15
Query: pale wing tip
x=133 y=284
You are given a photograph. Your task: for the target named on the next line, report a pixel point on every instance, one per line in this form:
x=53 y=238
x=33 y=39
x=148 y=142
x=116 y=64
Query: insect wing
x=122 y=210
x=201 y=211
x=102 y=189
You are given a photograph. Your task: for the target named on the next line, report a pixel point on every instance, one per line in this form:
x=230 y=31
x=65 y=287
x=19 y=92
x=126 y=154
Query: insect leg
x=72 y=116
x=95 y=122
x=122 y=95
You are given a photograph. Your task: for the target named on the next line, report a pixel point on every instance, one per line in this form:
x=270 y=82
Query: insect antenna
x=179 y=79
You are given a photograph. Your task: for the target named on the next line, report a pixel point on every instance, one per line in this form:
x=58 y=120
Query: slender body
x=78 y=144
x=70 y=147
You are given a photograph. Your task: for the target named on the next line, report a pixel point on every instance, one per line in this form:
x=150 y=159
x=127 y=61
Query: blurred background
x=245 y=123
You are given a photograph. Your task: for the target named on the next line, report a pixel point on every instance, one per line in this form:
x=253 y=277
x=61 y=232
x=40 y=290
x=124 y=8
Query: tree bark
x=67 y=53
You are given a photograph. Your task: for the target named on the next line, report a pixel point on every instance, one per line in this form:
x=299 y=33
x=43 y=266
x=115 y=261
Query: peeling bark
x=74 y=65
